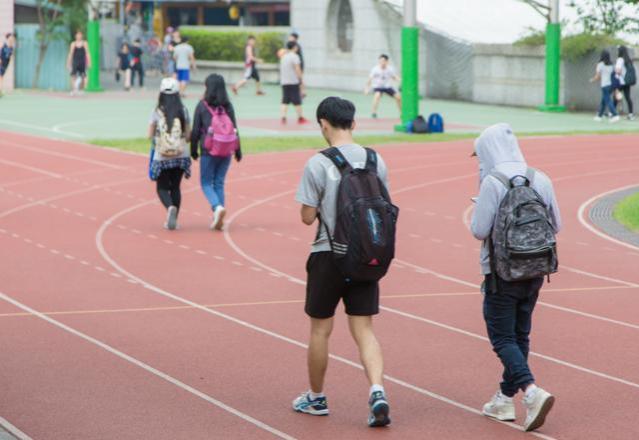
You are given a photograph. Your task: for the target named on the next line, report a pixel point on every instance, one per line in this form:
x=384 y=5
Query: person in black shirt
x=137 y=68
x=5 y=56
x=213 y=169
x=78 y=61
x=124 y=65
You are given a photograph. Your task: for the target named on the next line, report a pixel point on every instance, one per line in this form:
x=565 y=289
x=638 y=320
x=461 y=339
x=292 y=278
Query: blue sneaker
x=379 y=410
x=304 y=404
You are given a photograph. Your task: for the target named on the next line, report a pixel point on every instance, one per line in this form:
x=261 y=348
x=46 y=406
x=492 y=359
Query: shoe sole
x=500 y=418
x=220 y=221
x=323 y=412
x=543 y=412
x=380 y=416
x=171 y=221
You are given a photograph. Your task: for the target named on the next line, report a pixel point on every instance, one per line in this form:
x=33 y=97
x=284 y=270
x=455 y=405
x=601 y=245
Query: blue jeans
x=606 y=101
x=508 y=316
x=213 y=171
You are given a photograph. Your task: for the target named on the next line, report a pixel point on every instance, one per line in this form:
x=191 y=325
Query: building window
x=340 y=17
x=181 y=16
x=218 y=17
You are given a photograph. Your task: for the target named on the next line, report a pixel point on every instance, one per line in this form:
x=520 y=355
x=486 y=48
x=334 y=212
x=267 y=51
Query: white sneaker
x=218 y=218
x=171 y=218
x=598 y=118
x=631 y=117
x=614 y=119
x=500 y=407
x=538 y=404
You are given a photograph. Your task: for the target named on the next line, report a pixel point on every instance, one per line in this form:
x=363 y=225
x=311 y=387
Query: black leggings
x=168 y=187
x=628 y=96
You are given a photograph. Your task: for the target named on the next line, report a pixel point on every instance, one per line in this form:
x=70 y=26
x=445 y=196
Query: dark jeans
x=606 y=101
x=137 y=69
x=168 y=187
x=628 y=96
x=508 y=316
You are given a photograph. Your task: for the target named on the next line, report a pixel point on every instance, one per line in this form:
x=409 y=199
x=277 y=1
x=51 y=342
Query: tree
x=53 y=16
x=607 y=17
x=541 y=7
x=49 y=21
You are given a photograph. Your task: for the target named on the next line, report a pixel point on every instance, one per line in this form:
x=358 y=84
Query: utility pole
x=93 y=39
x=553 y=61
x=410 y=64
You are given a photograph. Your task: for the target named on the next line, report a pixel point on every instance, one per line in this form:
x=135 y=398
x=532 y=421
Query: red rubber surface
x=85 y=246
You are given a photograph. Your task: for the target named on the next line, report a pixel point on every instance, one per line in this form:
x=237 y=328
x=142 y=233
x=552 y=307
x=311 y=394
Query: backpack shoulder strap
x=338 y=159
x=371 y=160
x=502 y=178
x=208 y=107
x=530 y=175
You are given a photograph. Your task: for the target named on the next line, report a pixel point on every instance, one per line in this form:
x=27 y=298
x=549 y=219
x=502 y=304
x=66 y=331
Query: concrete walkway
x=120 y=114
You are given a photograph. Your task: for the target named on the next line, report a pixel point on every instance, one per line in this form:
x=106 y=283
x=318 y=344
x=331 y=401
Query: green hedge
x=575 y=46
x=229 y=46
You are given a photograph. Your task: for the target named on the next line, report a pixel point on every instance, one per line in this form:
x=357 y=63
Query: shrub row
x=229 y=46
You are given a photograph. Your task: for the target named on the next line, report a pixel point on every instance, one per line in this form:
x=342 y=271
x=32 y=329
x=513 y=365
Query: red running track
x=115 y=328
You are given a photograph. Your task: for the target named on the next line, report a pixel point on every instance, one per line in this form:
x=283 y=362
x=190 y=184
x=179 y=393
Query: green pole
x=410 y=65
x=93 y=38
x=553 y=61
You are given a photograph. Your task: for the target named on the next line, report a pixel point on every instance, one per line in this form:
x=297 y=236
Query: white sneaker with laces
x=218 y=218
x=538 y=403
x=614 y=119
x=500 y=407
x=598 y=118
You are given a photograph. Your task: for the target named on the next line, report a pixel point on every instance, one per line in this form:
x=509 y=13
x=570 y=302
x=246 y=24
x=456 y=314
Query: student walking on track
x=519 y=200
x=345 y=169
x=250 y=68
x=627 y=77
x=215 y=140
x=78 y=61
x=603 y=74
x=169 y=129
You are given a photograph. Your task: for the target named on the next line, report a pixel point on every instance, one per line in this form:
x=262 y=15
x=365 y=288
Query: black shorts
x=291 y=94
x=387 y=90
x=252 y=73
x=79 y=71
x=326 y=286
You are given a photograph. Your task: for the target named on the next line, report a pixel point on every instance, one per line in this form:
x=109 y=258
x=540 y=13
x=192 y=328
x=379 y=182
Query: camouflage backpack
x=523 y=244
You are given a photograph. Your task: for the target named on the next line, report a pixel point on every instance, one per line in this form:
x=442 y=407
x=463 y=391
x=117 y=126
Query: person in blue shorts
x=184 y=56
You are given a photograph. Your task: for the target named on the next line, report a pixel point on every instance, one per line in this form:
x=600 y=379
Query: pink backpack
x=221 y=137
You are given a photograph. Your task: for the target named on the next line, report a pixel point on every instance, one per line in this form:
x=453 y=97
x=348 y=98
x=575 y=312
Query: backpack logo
x=221 y=137
x=363 y=241
x=169 y=143
x=523 y=244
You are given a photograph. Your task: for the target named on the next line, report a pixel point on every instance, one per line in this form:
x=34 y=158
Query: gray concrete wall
x=376 y=31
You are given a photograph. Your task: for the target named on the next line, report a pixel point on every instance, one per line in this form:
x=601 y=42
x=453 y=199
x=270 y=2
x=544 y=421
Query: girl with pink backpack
x=216 y=140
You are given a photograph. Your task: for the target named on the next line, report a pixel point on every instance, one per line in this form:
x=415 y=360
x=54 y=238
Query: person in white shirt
x=382 y=79
x=627 y=77
x=603 y=74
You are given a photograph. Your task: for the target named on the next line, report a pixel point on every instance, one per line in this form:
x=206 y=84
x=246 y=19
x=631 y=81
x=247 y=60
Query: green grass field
x=627 y=212
x=265 y=144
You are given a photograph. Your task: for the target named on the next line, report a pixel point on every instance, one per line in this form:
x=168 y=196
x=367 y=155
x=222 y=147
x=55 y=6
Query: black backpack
x=363 y=243
x=631 y=75
x=420 y=125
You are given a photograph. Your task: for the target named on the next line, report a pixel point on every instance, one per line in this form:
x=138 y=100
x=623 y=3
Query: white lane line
x=13 y=430
x=586 y=224
x=100 y=246
x=598 y=277
x=138 y=363
x=293 y=279
x=201 y=252
x=30 y=168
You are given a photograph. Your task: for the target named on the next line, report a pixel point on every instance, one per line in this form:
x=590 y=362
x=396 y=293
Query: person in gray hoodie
x=508 y=305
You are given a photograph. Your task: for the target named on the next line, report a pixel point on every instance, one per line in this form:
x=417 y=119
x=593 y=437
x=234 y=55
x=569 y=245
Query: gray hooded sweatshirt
x=497 y=149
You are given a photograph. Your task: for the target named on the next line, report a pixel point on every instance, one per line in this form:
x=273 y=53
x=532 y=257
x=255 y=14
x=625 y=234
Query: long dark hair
x=172 y=107
x=605 y=58
x=623 y=53
x=215 y=94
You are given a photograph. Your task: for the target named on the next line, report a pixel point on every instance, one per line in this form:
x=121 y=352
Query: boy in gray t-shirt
x=291 y=80
x=326 y=285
